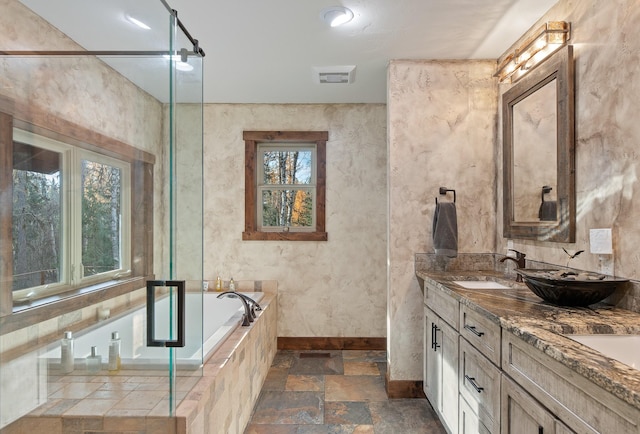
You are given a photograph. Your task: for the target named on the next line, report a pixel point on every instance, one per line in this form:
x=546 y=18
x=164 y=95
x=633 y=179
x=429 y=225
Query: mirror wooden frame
x=559 y=67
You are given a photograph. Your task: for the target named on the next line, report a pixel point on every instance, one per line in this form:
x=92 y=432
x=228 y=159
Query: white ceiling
x=264 y=51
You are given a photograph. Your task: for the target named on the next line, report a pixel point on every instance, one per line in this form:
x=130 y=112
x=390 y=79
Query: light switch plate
x=600 y=242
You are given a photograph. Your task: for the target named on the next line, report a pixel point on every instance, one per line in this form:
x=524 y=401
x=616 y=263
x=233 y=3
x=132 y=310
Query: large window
x=70 y=217
x=285 y=185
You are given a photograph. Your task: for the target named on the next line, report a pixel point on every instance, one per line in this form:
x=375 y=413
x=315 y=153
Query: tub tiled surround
x=219 y=401
x=223 y=399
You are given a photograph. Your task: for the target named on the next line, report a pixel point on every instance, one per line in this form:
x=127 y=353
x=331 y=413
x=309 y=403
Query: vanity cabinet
x=441 y=356
x=483 y=379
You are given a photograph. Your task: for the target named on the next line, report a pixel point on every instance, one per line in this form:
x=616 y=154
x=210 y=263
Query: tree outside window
x=285 y=185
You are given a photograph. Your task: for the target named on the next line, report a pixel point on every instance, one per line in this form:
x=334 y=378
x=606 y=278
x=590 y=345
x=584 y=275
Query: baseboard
x=398 y=389
x=327 y=343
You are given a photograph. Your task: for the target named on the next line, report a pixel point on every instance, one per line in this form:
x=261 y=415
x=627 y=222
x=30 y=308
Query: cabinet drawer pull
x=473 y=330
x=472 y=381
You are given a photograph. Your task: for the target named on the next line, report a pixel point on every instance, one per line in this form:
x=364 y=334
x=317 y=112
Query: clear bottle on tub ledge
x=232 y=285
x=94 y=361
x=66 y=353
x=114 y=352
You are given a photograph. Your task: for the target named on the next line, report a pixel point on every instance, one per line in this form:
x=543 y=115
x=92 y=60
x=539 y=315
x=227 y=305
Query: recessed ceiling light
x=336 y=15
x=137 y=22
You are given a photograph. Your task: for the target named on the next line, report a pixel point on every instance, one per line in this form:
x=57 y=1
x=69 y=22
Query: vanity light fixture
x=546 y=40
x=336 y=15
x=133 y=20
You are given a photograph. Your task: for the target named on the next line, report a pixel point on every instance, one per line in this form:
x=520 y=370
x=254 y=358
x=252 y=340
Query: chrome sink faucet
x=519 y=260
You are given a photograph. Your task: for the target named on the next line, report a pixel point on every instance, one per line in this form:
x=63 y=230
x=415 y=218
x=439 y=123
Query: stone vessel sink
x=569 y=288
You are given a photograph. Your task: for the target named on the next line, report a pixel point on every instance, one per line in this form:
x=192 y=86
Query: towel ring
x=443 y=191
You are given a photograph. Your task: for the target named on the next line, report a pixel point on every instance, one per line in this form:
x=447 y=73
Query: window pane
x=291 y=208
x=287 y=167
x=101 y=215
x=37 y=216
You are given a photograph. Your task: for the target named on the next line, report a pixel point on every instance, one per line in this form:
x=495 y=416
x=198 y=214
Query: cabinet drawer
x=480 y=385
x=481 y=332
x=445 y=306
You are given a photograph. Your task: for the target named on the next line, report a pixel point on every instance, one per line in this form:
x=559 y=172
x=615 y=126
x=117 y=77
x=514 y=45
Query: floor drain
x=315 y=355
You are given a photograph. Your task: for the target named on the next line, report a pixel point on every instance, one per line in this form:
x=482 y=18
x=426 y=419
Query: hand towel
x=445 y=229
x=548 y=211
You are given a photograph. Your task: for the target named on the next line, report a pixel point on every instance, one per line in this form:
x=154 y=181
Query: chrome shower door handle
x=151 y=313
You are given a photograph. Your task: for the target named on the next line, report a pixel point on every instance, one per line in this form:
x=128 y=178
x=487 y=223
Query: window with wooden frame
x=285 y=180
x=98 y=226
x=71 y=217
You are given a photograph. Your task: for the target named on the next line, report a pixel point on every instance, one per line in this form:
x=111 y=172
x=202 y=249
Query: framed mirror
x=538 y=152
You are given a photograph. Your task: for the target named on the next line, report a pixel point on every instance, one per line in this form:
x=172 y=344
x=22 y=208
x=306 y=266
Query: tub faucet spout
x=254 y=304
x=247 y=317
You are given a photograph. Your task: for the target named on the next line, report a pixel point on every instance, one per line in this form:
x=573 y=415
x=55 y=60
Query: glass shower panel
x=134 y=99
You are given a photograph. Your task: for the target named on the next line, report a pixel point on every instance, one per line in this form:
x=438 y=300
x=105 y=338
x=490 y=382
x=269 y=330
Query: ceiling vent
x=334 y=74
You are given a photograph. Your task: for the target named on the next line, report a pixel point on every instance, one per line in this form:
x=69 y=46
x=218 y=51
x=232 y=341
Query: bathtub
x=221 y=318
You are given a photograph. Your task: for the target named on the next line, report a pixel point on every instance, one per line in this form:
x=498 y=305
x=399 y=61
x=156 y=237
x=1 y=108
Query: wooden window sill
x=284 y=236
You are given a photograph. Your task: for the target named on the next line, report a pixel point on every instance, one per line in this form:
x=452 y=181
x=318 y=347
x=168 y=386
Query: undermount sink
x=480 y=284
x=623 y=348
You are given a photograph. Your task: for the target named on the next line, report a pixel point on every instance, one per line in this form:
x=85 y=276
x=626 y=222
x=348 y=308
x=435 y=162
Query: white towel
x=445 y=229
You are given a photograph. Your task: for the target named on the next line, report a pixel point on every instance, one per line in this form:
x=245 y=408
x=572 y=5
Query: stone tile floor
x=335 y=392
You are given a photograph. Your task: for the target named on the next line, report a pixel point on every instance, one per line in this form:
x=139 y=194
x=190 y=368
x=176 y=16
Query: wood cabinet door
x=432 y=361
x=447 y=338
x=468 y=421
x=521 y=414
x=441 y=368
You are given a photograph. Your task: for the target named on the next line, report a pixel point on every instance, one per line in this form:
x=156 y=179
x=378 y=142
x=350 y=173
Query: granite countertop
x=541 y=324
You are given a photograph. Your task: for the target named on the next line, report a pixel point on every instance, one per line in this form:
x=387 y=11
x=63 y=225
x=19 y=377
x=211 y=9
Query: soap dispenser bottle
x=114 y=352
x=94 y=361
x=66 y=353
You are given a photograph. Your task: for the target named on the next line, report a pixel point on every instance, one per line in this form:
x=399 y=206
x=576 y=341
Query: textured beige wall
x=442 y=122
x=335 y=288
x=606 y=41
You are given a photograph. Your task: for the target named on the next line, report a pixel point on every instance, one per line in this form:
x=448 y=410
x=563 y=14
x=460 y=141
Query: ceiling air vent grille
x=334 y=74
